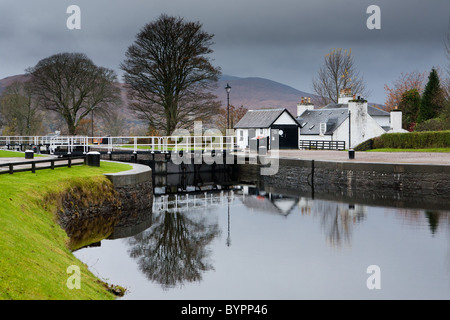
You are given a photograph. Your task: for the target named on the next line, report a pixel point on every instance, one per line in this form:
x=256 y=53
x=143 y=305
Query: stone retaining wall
x=89 y=215
x=410 y=183
x=135 y=189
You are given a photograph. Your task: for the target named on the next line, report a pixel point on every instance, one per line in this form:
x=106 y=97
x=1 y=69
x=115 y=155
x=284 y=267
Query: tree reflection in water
x=337 y=220
x=175 y=249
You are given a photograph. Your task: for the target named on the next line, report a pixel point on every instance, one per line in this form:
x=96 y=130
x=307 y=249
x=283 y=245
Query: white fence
x=186 y=202
x=163 y=144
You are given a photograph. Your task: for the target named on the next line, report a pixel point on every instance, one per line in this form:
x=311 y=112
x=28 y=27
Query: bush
x=366 y=145
x=435 y=124
x=413 y=140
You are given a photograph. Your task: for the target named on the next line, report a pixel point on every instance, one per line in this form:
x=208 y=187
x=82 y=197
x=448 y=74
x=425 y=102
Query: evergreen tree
x=409 y=105
x=431 y=99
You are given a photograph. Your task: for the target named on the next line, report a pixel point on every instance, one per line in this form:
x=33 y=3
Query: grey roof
x=332 y=114
x=310 y=120
x=262 y=118
x=371 y=110
x=276 y=205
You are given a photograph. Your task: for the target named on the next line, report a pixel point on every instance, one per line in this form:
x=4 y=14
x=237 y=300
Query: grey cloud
x=282 y=40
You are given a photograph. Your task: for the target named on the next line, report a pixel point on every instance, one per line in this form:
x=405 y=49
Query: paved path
x=20 y=159
x=440 y=158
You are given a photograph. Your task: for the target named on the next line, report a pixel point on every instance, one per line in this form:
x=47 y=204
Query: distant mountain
x=5 y=82
x=258 y=93
x=252 y=93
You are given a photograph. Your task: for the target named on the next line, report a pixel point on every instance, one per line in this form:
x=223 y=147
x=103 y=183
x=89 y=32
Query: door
x=288 y=136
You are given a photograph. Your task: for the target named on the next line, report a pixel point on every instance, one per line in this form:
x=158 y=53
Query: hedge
x=409 y=140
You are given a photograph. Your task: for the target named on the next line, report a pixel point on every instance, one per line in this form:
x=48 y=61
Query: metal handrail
x=163 y=144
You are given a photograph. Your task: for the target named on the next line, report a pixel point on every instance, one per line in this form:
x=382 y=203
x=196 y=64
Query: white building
x=257 y=124
x=350 y=119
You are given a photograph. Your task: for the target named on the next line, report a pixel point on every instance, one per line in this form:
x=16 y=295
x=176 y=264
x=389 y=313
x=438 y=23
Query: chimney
x=304 y=105
x=345 y=96
x=359 y=124
x=396 y=120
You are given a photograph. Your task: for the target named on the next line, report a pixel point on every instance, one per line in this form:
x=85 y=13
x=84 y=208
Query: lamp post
x=228 y=89
x=92 y=124
x=351 y=152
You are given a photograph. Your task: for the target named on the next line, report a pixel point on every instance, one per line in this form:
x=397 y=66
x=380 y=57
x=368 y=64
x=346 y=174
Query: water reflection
x=338 y=219
x=239 y=234
x=174 y=250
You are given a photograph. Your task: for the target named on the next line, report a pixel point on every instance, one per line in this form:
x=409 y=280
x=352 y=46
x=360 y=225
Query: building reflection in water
x=176 y=248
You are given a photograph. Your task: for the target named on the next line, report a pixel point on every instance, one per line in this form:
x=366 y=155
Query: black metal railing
x=40 y=164
x=321 y=145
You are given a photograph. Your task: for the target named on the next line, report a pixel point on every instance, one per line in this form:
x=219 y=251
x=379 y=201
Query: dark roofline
x=292 y=117
x=282 y=110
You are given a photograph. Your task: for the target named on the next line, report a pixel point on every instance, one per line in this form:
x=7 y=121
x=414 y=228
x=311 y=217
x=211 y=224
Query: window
x=323 y=128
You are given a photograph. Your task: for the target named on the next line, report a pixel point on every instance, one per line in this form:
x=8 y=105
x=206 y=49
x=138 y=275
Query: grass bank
x=34 y=256
x=14 y=154
x=410 y=150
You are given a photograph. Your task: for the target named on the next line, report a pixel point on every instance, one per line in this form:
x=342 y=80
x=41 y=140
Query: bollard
x=351 y=154
x=262 y=151
x=29 y=154
x=93 y=159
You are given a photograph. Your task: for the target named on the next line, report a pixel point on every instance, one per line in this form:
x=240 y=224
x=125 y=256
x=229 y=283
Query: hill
x=252 y=93
x=258 y=93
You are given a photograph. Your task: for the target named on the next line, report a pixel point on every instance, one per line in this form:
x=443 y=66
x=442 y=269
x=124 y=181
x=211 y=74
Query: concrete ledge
x=139 y=174
x=368 y=166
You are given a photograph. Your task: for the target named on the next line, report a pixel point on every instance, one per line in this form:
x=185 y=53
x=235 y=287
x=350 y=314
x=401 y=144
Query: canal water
x=242 y=242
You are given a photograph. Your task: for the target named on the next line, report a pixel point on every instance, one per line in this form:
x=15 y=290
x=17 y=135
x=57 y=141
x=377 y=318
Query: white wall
x=285 y=118
x=363 y=126
x=396 y=121
x=301 y=108
x=341 y=133
x=383 y=121
x=242 y=138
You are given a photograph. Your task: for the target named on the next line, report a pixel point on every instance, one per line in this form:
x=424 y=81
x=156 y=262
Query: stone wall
x=135 y=191
x=408 y=184
x=92 y=212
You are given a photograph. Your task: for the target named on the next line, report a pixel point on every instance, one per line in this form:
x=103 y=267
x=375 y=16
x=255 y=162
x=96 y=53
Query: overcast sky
x=283 y=40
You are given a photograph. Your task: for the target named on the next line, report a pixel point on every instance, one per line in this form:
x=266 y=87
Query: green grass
x=410 y=150
x=14 y=154
x=34 y=256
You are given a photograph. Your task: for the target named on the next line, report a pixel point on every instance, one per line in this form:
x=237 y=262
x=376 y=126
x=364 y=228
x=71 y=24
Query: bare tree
x=406 y=82
x=114 y=124
x=236 y=114
x=446 y=84
x=169 y=75
x=338 y=72
x=71 y=85
x=19 y=110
